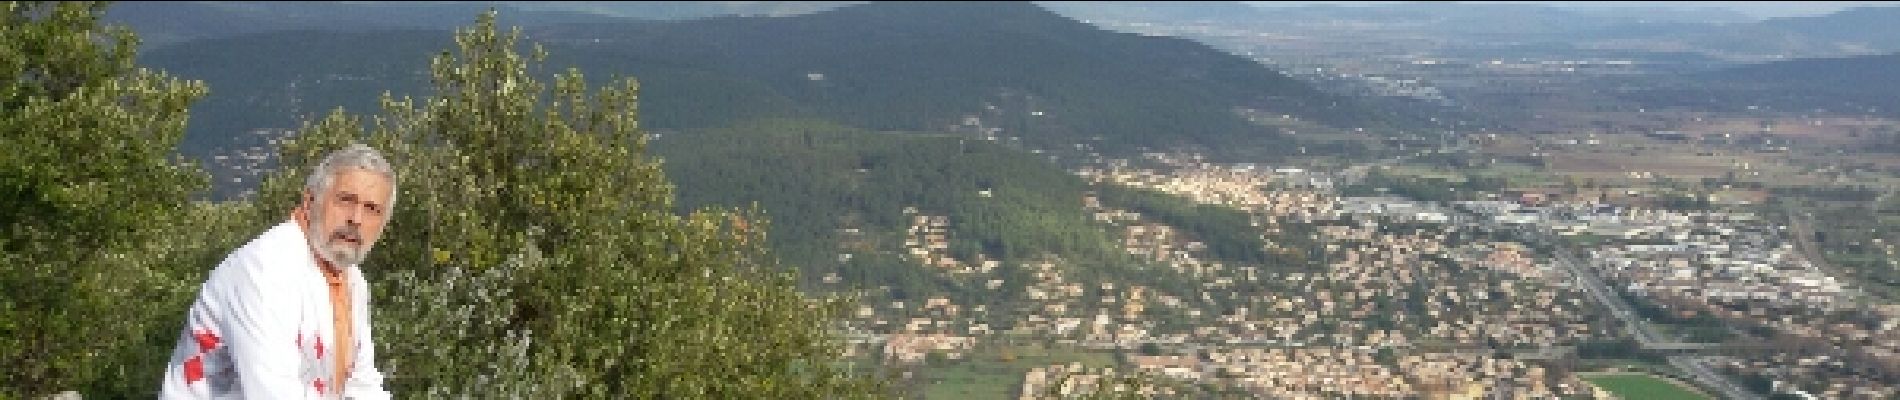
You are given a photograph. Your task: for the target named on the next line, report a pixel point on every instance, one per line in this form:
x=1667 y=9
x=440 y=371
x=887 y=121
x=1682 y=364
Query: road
x=1594 y=285
x=1645 y=334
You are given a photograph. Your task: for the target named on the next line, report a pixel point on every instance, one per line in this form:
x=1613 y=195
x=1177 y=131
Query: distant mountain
x=1872 y=73
x=1712 y=13
x=1011 y=67
x=677 y=10
x=1855 y=85
x=1870 y=83
x=1439 y=18
x=929 y=66
x=1851 y=32
x=1877 y=28
x=161 y=23
x=1502 y=29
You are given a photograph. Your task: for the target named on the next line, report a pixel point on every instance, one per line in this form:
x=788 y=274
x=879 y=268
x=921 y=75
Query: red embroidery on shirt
x=319 y=385
x=206 y=340
x=319 y=347
x=194 y=370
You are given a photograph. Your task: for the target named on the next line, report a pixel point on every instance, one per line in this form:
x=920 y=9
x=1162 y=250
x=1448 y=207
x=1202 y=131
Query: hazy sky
x=1759 y=9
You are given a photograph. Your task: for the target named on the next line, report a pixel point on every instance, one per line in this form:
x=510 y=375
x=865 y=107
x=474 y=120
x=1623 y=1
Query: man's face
x=346 y=220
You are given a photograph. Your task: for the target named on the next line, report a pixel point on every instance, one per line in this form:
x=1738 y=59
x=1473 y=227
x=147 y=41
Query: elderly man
x=287 y=315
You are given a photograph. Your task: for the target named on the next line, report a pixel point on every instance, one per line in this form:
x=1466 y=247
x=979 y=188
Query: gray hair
x=354 y=156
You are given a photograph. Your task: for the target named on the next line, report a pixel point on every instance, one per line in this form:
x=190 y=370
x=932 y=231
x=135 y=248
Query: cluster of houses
x=251 y=163
x=1152 y=241
x=915 y=348
x=1863 y=363
x=1324 y=325
x=1072 y=380
x=1732 y=260
x=1347 y=373
x=1740 y=268
x=1388 y=313
x=1394 y=209
x=1810 y=376
x=928 y=243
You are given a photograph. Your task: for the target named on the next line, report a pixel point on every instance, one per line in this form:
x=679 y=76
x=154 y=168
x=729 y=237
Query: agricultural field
x=1640 y=165
x=1815 y=153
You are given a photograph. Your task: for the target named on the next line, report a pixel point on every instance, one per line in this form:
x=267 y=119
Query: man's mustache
x=350 y=233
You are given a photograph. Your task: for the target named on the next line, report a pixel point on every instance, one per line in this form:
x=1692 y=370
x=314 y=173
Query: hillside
x=1872 y=27
x=1854 y=31
x=273 y=81
x=845 y=201
x=1845 y=74
x=1492 y=30
x=1035 y=74
x=1860 y=85
x=1847 y=82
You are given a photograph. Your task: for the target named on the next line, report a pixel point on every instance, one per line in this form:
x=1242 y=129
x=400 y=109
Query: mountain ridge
x=1019 y=69
x=881 y=56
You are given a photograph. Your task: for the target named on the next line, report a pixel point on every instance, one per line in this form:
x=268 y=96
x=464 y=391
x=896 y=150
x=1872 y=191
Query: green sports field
x=1642 y=386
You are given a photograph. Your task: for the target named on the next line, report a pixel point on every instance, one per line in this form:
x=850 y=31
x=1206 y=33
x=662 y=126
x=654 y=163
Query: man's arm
x=365 y=382
x=259 y=320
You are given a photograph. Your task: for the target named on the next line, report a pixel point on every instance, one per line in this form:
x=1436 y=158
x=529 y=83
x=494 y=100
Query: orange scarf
x=340 y=303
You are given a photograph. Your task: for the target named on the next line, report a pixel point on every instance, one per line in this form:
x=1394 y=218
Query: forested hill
x=1868 y=73
x=844 y=202
x=1868 y=81
x=1861 y=84
x=926 y=66
x=1873 y=27
x=1018 y=68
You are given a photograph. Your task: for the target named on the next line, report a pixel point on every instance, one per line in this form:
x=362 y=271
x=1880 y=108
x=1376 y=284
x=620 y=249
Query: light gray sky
x=1758 y=9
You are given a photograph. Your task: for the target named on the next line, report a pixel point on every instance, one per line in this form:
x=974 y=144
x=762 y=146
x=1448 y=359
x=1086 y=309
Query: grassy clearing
x=1642 y=386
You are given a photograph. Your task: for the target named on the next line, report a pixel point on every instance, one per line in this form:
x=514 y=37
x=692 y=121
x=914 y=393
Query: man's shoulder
x=271 y=255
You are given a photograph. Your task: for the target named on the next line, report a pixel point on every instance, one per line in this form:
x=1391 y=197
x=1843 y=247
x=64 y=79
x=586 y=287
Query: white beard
x=339 y=254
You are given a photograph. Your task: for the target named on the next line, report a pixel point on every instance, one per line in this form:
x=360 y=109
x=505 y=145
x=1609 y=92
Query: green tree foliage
x=535 y=251
x=95 y=212
x=1226 y=231
x=821 y=177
